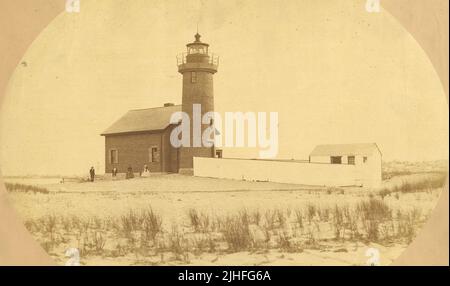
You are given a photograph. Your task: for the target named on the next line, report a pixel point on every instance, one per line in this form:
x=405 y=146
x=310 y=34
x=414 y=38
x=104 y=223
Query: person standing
x=92 y=173
x=114 y=172
x=145 y=172
x=130 y=173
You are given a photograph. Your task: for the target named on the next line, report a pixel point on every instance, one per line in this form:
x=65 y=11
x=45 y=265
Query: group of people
x=129 y=174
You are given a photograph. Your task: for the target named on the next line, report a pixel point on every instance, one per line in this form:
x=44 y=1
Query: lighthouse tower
x=197 y=66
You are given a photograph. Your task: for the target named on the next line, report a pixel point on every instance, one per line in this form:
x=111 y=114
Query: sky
x=332 y=71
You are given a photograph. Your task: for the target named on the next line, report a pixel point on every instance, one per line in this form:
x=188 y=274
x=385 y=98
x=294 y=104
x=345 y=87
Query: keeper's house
x=142 y=137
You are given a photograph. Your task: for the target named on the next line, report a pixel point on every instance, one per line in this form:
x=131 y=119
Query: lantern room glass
x=197 y=49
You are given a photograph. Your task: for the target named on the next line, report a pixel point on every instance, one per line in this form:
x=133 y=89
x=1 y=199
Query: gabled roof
x=345 y=149
x=140 y=120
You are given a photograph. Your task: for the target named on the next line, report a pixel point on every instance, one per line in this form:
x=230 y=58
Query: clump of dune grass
x=47 y=226
x=12 y=187
x=99 y=241
x=434 y=181
x=384 y=192
x=407 y=222
x=270 y=219
x=373 y=213
x=237 y=234
x=256 y=216
x=374 y=209
x=338 y=222
x=91 y=242
x=204 y=243
x=285 y=243
x=311 y=212
x=178 y=245
x=389 y=175
x=324 y=214
x=130 y=222
x=48 y=223
x=151 y=223
x=194 y=218
x=201 y=222
x=281 y=218
x=299 y=218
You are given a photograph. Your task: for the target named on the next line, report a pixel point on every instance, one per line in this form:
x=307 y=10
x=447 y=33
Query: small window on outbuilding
x=193 y=77
x=336 y=159
x=113 y=156
x=364 y=159
x=351 y=160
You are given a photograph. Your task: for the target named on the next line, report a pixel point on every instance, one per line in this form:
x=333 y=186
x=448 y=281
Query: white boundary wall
x=279 y=171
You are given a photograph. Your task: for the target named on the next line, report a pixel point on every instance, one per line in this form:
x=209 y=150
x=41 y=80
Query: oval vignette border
x=21 y=22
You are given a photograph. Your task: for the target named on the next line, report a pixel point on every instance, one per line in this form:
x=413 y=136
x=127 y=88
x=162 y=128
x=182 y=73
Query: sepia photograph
x=224 y=133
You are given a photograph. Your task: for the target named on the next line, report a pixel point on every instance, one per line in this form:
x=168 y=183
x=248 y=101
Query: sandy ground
x=354 y=256
x=173 y=195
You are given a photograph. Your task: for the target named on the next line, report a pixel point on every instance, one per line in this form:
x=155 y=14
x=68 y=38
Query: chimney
x=168 y=104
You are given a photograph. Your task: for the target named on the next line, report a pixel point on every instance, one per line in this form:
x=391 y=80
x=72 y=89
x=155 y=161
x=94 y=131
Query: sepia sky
x=335 y=74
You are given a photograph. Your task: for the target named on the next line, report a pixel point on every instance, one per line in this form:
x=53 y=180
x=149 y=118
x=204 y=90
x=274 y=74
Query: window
x=197 y=50
x=153 y=155
x=113 y=156
x=193 y=77
x=364 y=159
x=351 y=160
x=336 y=160
x=218 y=153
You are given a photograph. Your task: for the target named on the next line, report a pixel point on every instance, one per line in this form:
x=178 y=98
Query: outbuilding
x=366 y=157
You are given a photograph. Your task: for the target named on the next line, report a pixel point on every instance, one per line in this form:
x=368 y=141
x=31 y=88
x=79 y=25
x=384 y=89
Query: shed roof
x=345 y=149
x=140 y=120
